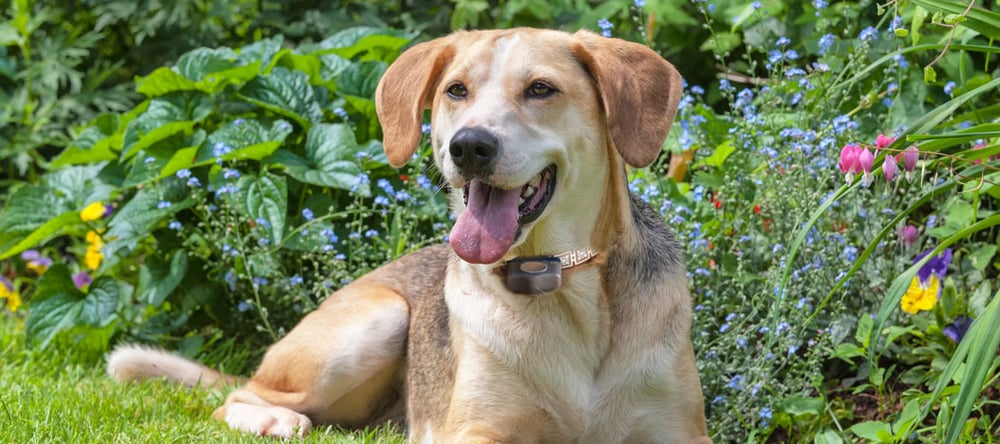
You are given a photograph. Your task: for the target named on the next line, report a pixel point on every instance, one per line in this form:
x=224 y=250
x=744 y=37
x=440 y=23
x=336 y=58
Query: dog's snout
x=474 y=150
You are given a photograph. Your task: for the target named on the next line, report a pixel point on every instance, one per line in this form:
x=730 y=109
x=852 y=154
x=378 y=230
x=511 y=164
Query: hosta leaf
x=265 y=199
x=167 y=115
x=243 y=139
x=159 y=277
x=330 y=158
x=286 y=93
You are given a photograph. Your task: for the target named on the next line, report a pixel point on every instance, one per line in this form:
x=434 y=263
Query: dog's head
x=527 y=124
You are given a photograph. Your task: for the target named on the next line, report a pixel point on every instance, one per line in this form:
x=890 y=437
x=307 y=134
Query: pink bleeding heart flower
x=889 y=168
x=910 y=157
x=908 y=235
x=866 y=159
x=883 y=141
x=849 y=163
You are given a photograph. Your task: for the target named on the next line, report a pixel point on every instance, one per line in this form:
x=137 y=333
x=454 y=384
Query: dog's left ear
x=404 y=92
x=640 y=92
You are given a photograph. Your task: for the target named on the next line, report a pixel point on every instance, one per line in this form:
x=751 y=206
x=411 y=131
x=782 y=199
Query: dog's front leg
x=339 y=365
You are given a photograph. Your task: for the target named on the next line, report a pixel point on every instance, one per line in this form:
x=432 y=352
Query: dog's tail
x=128 y=363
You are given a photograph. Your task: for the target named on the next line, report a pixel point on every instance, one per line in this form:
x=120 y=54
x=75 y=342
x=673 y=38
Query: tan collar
x=573 y=258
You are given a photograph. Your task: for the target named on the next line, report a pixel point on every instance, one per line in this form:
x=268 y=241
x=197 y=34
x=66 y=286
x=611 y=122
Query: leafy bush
x=246 y=185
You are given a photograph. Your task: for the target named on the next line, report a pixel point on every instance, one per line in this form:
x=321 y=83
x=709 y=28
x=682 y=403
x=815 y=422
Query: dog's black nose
x=474 y=150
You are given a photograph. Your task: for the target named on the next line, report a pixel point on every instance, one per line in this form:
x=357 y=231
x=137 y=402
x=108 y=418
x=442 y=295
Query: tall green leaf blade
x=981 y=20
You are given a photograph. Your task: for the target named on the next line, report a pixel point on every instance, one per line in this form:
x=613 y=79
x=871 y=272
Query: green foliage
x=237 y=148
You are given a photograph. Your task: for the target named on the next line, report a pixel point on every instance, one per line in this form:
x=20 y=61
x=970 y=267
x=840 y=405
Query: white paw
x=278 y=422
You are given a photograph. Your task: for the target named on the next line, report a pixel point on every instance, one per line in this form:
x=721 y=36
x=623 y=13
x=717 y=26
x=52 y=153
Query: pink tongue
x=485 y=230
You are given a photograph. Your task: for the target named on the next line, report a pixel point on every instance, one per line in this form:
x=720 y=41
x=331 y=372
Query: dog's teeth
x=535 y=181
x=521 y=202
x=528 y=191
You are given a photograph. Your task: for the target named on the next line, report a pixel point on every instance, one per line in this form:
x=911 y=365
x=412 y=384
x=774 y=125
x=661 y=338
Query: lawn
x=63 y=395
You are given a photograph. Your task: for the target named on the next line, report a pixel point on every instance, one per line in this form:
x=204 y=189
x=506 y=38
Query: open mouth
x=488 y=226
x=534 y=197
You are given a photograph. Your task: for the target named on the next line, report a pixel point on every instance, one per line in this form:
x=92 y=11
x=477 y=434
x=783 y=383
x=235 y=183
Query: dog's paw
x=274 y=421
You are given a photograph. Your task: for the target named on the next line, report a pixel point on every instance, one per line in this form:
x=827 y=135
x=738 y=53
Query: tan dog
x=475 y=344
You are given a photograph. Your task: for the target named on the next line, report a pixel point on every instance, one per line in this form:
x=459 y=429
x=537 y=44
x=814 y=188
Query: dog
x=557 y=312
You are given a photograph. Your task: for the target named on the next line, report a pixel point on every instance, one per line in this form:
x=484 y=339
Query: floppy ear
x=404 y=92
x=639 y=90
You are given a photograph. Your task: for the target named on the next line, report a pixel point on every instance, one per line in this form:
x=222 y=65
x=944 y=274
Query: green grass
x=62 y=394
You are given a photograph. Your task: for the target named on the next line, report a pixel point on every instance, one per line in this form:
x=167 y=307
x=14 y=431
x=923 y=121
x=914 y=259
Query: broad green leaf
x=162 y=81
x=261 y=51
x=137 y=218
x=30 y=208
x=94 y=144
x=99 y=305
x=828 y=437
x=801 y=405
x=51 y=228
x=360 y=79
x=79 y=184
x=981 y=257
x=286 y=93
x=875 y=431
x=165 y=80
x=243 y=139
x=56 y=280
x=330 y=158
x=167 y=115
x=718 y=156
x=153 y=161
x=49 y=317
x=265 y=199
x=376 y=43
x=158 y=278
x=199 y=63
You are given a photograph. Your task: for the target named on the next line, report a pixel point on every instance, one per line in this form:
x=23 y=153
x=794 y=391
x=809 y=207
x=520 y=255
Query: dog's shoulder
x=653 y=250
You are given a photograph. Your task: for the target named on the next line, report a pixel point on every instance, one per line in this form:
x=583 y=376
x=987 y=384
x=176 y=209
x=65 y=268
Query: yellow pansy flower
x=93 y=212
x=93 y=258
x=921 y=296
x=9 y=294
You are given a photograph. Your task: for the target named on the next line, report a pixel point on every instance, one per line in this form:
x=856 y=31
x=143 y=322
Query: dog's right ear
x=405 y=91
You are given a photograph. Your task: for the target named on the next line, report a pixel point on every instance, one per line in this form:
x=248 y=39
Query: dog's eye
x=457 y=91
x=539 y=90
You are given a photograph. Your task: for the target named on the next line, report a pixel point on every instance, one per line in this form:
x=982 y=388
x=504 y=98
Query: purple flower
x=937 y=265
x=36 y=262
x=957 y=329
x=82 y=280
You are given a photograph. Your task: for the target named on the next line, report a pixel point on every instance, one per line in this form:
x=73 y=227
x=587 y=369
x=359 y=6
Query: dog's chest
x=555 y=342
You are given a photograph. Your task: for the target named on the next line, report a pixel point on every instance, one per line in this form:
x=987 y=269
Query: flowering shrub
x=231 y=199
